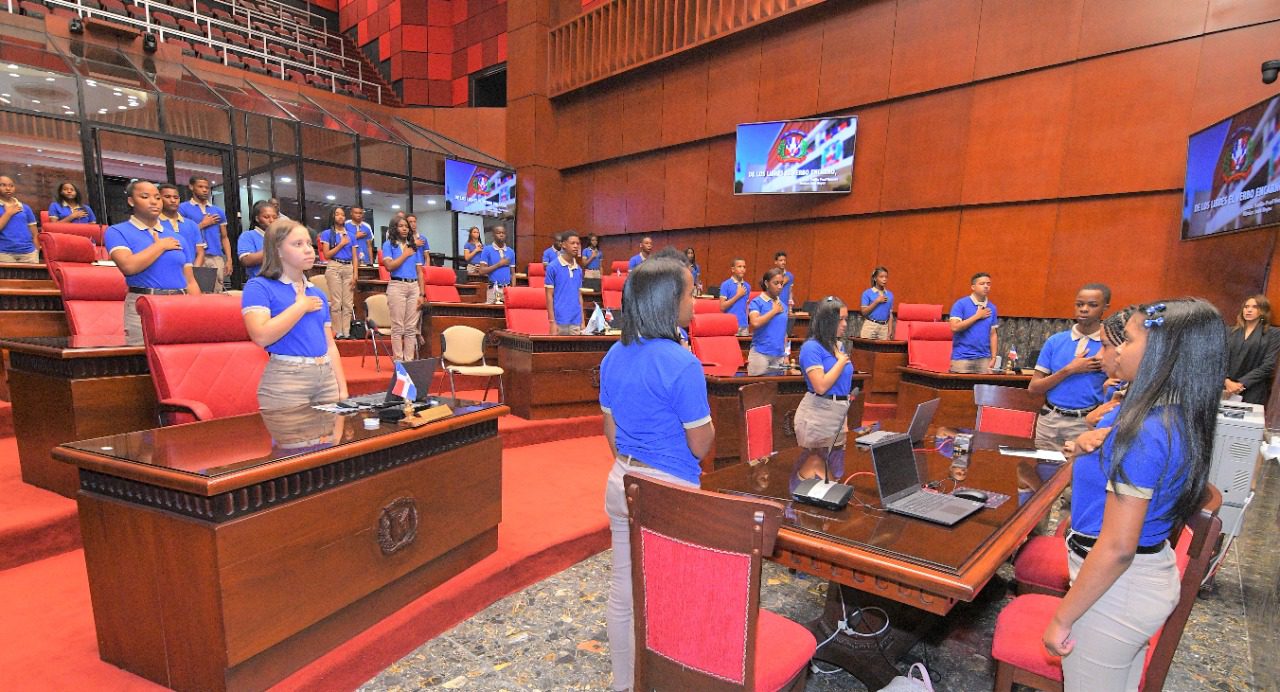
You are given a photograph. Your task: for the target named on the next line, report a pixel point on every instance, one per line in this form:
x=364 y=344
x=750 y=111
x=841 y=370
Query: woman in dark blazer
x=1253 y=346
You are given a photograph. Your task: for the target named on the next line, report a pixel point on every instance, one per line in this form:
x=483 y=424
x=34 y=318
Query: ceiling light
x=317 y=218
x=5 y=95
x=90 y=82
x=285 y=179
x=331 y=197
x=14 y=75
x=395 y=206
x=254 y=186
x=5 y=101
x=12 y=66
x=365 y=192
x=431 y=201
x=50 y=79
x=122 y=108
x=36 y=101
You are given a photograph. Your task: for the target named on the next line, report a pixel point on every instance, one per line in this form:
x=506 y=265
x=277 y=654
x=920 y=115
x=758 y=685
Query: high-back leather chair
x=706 y=306
x=1007 y=410
x=440 y=286
x=611 y=291
x=620 y=267
x=64 y=249
x=202 y=362
x=714 y=340
x=537 y=273
x=525 y=309
x=929 y=346
x=695 y=573
x=910 y=314
x=755 y=401
x=96 y=234
x=93 y=298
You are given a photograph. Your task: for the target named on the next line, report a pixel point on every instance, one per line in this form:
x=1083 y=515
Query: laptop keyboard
x=923 y=503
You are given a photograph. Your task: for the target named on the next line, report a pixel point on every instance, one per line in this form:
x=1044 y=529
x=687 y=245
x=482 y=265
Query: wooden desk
x=226 y=554
x=882 y=359
x=957 y=409
x=437 y=317
x=28 y=312
x=24 y=271
x=551 y=376
x=914 y=570
x=73 y=388
x=799 y=322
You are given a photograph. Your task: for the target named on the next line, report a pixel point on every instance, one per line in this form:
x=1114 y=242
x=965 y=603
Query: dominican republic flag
x=404 y=384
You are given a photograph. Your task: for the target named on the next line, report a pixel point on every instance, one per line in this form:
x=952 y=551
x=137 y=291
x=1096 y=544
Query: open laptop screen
x=895 y=465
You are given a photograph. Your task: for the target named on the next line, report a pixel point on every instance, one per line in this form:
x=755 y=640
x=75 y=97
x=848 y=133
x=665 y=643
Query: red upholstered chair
x=202 y=361
x=526 y=310
x=383 y=274
x=537 y=273
x=756 y=403
x=1007 y=410
x=695 y=571
x=94 y=300
x=440 y=286
x=912 y=313
x=930 y=346
x=714 y=339
x=92 y=231
x=622 y=267
x=611 y=291
x=706 y=306
x=62 y=249
x=1041 y=564
x=1018 y=647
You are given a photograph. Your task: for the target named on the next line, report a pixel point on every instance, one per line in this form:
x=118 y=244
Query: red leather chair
x=913 y=313
x=1041 y=564
x=62 y=249
x=714 y=340
x=526 y=310
x=439 y=285
x=94 y=300
x=929 y=347
x=383 y=274
x=92 y=231
x=756 y=403
x=537 y=273
x=622 y=267
x=705 y=306
x=1007 y=410
x=611 y=291
x=202 y=361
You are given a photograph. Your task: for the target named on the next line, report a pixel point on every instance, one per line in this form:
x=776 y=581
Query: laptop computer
x=420 y=371
x=919 y=425
x=898 y=480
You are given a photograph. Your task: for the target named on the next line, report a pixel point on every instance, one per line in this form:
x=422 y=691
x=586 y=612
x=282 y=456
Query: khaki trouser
x=132 y=322
x=341 y=296
x=494 y=295
x=285 y=385
x=972 y=365
x=220 y=263
x=402 y=301
x=1053 y=430
x=761 y=364
x=873 y=330
x=32 y=257
x=568 y=329
x=591 y=273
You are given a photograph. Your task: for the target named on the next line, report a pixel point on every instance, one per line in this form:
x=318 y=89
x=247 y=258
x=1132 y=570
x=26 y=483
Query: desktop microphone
x=827 y=494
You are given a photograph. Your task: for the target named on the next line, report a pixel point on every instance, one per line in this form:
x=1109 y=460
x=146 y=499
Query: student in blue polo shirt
x=419 y=241
x=564 y=284
x=153 y=257
x=340 y=270
x=767 y=315
x=495 y=263
x=362 y=230
x=877 y=307
x=646 y=249
x=821 y=418
x=592 y=258
x=68 y=206
x=780 y=261
x=1069 y=372
x=18 y=233
x=170 y=200
x=656 y=418
x=404 y=294
x=286 y=314
x=472 y=248
x=249 y=245
x=212 y=221
x=735 y=294
x=973 y=328
x=691 y=258
x=549 y=255
x=1134 y=478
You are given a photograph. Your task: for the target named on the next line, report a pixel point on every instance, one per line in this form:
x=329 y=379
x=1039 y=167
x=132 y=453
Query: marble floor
x=551 y=636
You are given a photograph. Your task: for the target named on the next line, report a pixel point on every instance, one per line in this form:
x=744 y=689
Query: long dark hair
x=651 y=300
x=768 y=276
x=1180 y=376
x=393 y=232
x=333 y=218
x=1264 y=312
x=824 y=323
x=65 y=183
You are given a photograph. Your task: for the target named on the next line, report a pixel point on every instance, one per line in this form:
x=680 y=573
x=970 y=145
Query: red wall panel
x=925 y=153
x=935 y=43
x=920 y=252
x=1111 y=26
x=855 y=245
x=989 y=236
x=1019 y=35
x=640 y=106
x=684 y=102
x=857 y=51
x=684 y=200
x=733 y=85
x=645 y=186
x=788 y=62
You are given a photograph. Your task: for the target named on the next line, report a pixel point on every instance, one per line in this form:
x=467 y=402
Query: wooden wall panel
x=1228 y=79
x=845 y=251
x=602 y=126
x=935 y=43
x=723 y=208
x=857 y=50
x=1272 y=284
x=733 y=84
x=609 y=208
x=1129 y=121
x=574 y=205
x=684 y=200
x=989 y=236
x=920 y=252
x=1225 y=14
x=1019 y=35
x=684 y=101
x=1016 y=135
x=789 y=59
x=797 y=240
x=1223 y=270
x=724 y=244
x=640 y=107
x=925 y=152
x=645 y=187
x=573 y=128
x=1110 y=26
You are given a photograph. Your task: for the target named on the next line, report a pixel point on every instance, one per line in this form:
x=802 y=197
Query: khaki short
x=568 y=329
x=976 y=366
x=220 y=263
x=1053 y=430
x=873 y=330
x=495 y=293
x=32 y=257
x=817 y=417
x=761 y=364
x=285 y=385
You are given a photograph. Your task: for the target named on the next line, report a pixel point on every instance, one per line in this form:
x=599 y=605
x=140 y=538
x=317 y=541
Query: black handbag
x=357 y=330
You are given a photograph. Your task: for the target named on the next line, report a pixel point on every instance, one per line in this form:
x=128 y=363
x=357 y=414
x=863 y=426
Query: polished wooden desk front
x=23 y=271
x=957 y=409
x=437 y=317
x=914 y=570
x=551 y=376
x=226 y=554
x=26 y=311
x=882 y=359
x=73 y=388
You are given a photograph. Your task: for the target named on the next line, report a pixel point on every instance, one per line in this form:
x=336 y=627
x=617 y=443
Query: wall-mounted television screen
x=474 y=189
x=1233 y=173
x=795 y=156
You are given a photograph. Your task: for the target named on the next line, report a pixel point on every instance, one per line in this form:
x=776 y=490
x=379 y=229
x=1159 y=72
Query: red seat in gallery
x=202 y=362
x=439 y=285
x=525 y=309
x=93 y=298
x=62 y=250
x=915 y=313
x=1007 y=410
x=537 y=275
x=611 y=291
x=929 y=346
x=714 y=339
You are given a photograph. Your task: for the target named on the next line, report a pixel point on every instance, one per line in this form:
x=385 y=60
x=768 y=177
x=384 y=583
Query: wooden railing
x=623 y=34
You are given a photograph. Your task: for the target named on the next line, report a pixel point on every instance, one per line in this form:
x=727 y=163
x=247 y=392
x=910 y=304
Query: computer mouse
x=971 y=494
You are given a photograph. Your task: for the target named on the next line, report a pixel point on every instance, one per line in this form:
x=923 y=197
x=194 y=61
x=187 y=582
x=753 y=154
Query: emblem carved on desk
x=595 y=377
x=397 y=525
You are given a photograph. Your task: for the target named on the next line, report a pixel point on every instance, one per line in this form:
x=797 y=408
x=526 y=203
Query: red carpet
x=34 y=523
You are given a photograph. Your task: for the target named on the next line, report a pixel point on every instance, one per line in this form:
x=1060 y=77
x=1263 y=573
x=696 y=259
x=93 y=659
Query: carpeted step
x=6 y=419
x=34 y=523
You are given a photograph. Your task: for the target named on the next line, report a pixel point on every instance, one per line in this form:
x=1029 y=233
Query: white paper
x=1045 y=454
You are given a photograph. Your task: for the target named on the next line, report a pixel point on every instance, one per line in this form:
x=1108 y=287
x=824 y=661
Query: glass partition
x=383 y=196
x=327 y=187
x=38 y=90
x=40 y=153
x=123 y=158
x=329 y=146
x=196 y=120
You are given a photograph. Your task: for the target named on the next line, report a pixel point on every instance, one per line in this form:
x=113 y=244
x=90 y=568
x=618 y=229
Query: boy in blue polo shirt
x=362 y=231
x=211 y=221
x=495 y=262
x=550 y=254
x=973 y=328
x=1069 y=372
x=18 y=233
x=780 y=261
x=564 y=284
x=768 y=316
x=734 y=294
x=170 y=200
x=419 y=240
x=646 y=249
x=877 y=307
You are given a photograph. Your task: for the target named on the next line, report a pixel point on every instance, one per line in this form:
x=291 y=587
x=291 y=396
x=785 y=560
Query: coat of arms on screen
x=792 y=147
x=397 y=525
x=1238 y=154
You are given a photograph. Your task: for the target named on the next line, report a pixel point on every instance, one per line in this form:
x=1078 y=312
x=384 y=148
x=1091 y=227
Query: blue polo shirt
x=814 y=355
x=492 y=255
x=739 y=308
x=635 y=261
x=331 y=238
x=566 y=298
x=592 y=256
x=250 y=242
x=407 y=269
x=770 y=339
x=883 y=310
x=786 y=288
x=364 y=243
x=424 y=252
x=187 y=229
x=974 y=342
x=1154 y=467
x=1081 y=390
x=696 y=271
x=655 y=391
x=469 y=246
x=15 y=237
x=549 y=255
x=166 y=271
x=212 y=232
x=62 y=210
x=308 y=336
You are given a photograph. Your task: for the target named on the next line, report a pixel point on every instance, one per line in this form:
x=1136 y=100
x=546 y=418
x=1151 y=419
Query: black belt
x=1081 y=544
x=878 y=321
x=833 y=397
x=158 y=291
x=499 y=285
x=398 y=278
x=628 y=460
x=340 y=261
x=1068 y=412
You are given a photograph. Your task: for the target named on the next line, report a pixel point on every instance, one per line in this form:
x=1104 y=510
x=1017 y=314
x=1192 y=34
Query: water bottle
x=1013 y=360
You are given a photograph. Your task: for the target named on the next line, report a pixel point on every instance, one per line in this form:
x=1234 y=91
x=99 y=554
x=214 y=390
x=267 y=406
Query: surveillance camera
x=1270 y=69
